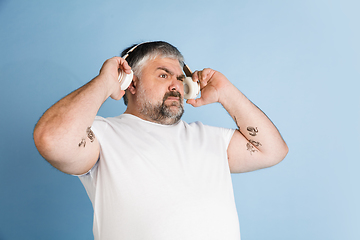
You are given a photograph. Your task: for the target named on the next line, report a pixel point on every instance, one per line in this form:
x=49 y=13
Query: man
x=148 y=174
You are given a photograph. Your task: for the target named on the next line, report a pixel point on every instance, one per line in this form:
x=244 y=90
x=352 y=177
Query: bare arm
x=257 y=143
x=63 y=134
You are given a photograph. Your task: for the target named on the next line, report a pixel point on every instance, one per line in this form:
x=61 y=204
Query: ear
x=132 y=86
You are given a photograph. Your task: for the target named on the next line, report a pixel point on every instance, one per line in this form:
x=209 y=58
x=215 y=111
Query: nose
x=176 y=85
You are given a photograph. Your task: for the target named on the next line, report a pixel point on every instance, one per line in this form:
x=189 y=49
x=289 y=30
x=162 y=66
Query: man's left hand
x=212 y=85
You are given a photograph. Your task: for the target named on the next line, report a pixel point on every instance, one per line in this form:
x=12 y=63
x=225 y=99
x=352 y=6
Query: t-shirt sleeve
x=89 y=179
x=98 y=127
x=228 y=133
x=220 y=133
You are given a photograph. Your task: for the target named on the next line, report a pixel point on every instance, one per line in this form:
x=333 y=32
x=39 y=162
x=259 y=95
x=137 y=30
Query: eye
x=163 y=75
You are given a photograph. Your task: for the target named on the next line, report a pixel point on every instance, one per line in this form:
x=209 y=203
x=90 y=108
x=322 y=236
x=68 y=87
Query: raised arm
x=257 y=143
x=63 y=135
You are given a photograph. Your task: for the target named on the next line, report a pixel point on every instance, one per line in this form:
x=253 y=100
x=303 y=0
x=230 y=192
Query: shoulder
x=102 y=123
x=211 y=132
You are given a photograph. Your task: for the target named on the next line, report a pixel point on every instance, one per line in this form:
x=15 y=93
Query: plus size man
x=148 y=174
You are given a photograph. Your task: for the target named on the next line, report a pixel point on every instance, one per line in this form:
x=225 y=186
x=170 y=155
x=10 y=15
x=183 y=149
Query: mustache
x=172 y=94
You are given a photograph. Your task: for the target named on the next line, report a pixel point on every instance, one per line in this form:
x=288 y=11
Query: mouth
x=172 y=100
x=172 y=96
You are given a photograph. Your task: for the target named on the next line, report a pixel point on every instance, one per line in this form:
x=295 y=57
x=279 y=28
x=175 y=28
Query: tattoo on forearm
x=252 y=131
x=90 y=134
x=83 y=142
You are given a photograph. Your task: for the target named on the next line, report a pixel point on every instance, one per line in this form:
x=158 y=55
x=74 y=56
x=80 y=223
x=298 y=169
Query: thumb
x=117 y=95
x=196 y=102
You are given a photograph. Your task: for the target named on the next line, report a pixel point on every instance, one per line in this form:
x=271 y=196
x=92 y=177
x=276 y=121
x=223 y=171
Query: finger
x=207 y=74
x=195 y=76
x=196 y=102
x=123 y=65
x=200 y=76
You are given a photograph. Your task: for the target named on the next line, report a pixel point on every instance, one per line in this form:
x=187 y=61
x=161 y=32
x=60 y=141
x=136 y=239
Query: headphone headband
x=132 y=49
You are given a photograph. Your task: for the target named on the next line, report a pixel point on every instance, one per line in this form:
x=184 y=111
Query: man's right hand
x=110 y=72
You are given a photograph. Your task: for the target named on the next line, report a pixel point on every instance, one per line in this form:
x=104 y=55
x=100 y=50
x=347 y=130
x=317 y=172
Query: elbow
x=46 y=143
x=284 y=152
x=43 y=141
x=280 y=154
x=37 y=136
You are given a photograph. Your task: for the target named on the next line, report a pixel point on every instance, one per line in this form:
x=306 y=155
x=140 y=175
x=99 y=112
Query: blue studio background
x=297 y=60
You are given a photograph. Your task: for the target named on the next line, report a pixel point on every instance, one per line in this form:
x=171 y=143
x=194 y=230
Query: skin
x=61 y=131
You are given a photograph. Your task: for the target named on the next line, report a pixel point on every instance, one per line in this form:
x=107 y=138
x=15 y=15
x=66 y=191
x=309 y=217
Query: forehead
x=159 y=63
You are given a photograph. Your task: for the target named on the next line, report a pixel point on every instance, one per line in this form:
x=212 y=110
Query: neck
x=153 y=115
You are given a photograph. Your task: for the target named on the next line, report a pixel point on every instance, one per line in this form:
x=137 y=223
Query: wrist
x=108 y=84
x=229 y=94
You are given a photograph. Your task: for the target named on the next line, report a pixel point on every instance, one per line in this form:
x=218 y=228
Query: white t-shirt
x=161 y=182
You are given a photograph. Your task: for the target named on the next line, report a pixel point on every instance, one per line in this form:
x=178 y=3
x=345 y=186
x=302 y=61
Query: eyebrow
x=180 y=77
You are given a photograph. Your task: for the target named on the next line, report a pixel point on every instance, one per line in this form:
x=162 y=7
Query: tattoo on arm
x=252 y=131
x=255 y=143
x=90 y=135
x=83 y=142
x=251 y=146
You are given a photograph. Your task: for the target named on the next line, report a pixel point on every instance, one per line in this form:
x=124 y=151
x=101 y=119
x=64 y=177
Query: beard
x=160 y=111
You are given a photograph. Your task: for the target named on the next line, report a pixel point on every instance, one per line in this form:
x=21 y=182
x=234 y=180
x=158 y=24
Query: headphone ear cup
x=191 y=88
x=125 y=79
